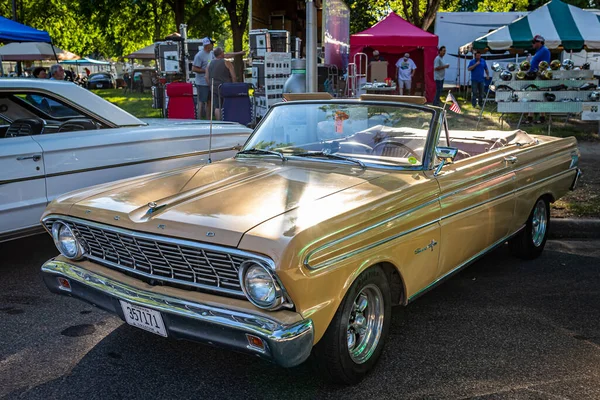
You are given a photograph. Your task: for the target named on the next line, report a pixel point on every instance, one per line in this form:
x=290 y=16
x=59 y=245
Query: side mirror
x=446 y=155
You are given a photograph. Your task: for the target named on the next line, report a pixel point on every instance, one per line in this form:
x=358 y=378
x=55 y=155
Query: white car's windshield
x=390 y=135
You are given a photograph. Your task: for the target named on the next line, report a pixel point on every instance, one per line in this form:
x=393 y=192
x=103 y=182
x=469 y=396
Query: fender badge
x=161 y=226
x=210 y=234
x=430 y=246
x=117 y=218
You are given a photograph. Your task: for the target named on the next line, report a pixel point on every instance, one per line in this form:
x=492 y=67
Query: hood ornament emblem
x=153 y=207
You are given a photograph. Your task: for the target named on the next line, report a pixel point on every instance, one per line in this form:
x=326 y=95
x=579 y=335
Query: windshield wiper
x=261 y=151
x=329 y=155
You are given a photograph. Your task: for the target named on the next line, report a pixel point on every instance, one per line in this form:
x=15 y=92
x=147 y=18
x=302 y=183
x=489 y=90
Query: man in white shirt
x=439 y=74
x=406 y=70
x=201 y=61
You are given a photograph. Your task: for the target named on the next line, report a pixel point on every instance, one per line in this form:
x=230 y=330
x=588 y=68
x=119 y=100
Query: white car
x=56 y=137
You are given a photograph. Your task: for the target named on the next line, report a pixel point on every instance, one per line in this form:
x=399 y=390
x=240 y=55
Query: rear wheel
x=530 y=242
x=354 y=340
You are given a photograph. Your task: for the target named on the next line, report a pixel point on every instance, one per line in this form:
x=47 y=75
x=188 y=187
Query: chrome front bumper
x=286 y=345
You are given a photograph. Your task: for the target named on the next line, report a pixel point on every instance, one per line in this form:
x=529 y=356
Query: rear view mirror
x=445 y=155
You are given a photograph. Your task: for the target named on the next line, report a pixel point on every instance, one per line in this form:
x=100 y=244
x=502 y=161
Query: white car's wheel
x=355 y=337
x=530 y=242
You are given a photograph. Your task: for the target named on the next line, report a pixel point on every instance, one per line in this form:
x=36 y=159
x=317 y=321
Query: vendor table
x=528 y=96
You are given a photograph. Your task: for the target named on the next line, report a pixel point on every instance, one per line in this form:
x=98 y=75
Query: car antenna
x=212 y=81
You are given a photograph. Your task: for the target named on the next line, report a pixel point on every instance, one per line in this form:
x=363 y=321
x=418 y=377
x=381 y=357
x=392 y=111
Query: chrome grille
x=163 y=260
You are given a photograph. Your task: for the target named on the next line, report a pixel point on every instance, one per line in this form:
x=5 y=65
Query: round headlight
x=259 y=285
x=65 y=241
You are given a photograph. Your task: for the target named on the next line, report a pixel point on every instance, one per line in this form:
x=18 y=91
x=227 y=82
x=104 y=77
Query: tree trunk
x=430 y=13
x=238 y=26
x=179 y=10
x=238 y=45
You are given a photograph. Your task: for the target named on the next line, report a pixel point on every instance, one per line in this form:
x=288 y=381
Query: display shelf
x=556 y=75
x=540 y=107
x=519 y=85
x=582 y=95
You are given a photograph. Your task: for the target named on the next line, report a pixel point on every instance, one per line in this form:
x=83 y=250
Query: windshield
x=373 y=134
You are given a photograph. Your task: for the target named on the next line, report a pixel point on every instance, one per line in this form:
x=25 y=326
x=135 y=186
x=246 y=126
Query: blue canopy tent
x=11 y=31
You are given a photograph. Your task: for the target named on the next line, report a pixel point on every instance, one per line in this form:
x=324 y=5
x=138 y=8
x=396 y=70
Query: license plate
x=99 y=85
x=144 y=318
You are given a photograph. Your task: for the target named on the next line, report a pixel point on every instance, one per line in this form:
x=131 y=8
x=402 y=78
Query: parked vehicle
x=101 y=80
x=56 y=137
x=333 y=212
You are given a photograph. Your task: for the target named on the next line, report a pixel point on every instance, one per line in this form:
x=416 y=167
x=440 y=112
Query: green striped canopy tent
x=563 y=26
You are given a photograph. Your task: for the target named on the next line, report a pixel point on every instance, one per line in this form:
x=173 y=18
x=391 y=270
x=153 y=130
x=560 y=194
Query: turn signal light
x=255 y=342
x=64 y=284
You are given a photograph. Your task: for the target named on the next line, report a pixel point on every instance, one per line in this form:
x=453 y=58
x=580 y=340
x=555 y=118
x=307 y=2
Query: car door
x=22 y=186
x=478 y=202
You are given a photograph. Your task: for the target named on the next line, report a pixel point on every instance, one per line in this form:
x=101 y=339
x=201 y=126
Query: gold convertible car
x=331 y=213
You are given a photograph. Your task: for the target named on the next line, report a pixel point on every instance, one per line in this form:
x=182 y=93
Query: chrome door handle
x=35 y=157
x=510 y=159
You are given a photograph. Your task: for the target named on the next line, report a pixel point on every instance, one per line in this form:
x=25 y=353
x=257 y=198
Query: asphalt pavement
x=502 y=329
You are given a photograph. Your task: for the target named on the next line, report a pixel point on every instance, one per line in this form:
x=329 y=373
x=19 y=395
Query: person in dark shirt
x=541 y=54
x=219 y=71
x=478 y=67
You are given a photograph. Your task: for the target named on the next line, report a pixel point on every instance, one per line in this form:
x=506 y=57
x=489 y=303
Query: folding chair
x=181 y=101
x=235 y=103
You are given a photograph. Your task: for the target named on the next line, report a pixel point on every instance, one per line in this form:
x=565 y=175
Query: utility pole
x=14 y=10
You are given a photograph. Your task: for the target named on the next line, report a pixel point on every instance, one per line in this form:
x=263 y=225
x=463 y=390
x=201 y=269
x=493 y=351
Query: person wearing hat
x=406 y=70
x=200 y=66
x=541 y=54
x=376 y=56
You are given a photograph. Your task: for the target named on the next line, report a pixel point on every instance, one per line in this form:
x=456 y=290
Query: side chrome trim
x=306 y=261
x=364 y=230
x=461 y=266
x=364 y=248
x=287 y=345
x=127 y=164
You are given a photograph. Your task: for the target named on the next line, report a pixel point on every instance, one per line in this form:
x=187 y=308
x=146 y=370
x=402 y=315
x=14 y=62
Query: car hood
x=219 y=202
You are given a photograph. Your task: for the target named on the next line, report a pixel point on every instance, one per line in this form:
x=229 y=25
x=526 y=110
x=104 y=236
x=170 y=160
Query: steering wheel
x=405 y=151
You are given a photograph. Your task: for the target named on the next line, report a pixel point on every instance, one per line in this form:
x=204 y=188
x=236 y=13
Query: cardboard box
x=378 y=70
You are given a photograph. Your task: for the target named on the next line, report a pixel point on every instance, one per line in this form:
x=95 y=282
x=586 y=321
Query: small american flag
x=454 y=107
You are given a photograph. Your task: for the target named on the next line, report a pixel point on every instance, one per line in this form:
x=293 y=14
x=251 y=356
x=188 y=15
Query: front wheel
x=354 y=340
x=530 y=242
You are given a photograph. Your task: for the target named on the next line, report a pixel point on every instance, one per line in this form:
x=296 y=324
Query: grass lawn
x=584 y=202
x=138 y=104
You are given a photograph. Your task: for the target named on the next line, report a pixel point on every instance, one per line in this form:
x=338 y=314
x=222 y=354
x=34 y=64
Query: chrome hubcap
x=539 y=223
x=365 y=324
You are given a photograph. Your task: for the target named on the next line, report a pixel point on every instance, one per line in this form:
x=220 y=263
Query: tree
x=238 y=16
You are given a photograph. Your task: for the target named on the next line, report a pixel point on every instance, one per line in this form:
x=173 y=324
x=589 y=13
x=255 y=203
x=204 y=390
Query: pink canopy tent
x=392 y=37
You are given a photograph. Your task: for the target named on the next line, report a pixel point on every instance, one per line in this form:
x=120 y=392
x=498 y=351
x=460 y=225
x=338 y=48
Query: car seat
x=236 y=103
x=181 y=101
x=25 y=127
